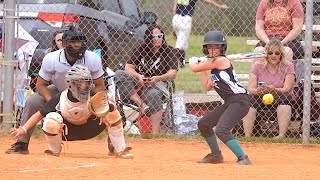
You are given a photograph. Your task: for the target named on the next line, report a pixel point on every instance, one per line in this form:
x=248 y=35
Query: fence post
x=307 y=73
x=9 y=18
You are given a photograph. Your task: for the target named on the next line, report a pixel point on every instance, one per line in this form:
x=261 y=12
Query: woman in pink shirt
x=282 y=19
x=276 y=76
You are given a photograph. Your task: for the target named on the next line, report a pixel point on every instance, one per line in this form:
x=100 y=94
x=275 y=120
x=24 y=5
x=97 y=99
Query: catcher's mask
x=215 y=37
x=79 y=82
x=73 y=35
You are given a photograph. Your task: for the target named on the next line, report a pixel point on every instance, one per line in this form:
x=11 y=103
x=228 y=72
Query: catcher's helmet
x=79 y=81
x=214 y=37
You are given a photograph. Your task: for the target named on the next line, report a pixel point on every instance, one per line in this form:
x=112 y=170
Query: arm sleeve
x=47 y=68
x=297 y=10
x=290 y=69
x=261 y=10
x=255 y=69
x=50 y=106
x=95 y=65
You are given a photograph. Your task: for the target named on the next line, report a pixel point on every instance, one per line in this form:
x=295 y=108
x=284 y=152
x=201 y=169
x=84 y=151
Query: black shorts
x=85 y=131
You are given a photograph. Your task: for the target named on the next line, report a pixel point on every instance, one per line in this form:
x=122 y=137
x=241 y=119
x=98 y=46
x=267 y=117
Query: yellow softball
x=267 y=99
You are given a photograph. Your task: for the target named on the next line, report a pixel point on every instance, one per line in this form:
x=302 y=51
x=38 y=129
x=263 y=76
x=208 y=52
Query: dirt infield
x=159 y=159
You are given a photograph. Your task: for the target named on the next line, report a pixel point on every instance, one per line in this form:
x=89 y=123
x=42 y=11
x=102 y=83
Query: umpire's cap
x=73 y=34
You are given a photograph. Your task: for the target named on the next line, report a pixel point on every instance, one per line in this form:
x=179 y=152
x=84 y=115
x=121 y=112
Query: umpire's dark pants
x=225 y=117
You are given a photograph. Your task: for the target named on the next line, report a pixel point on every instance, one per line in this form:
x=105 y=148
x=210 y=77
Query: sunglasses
x=276 y=53
x=160 y=35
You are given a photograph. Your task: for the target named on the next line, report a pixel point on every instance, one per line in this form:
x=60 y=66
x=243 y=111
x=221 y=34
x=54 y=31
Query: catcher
x=72 y=115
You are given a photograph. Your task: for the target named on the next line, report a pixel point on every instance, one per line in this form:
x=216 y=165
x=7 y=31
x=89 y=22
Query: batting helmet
x=214 y=37
x=79 y=81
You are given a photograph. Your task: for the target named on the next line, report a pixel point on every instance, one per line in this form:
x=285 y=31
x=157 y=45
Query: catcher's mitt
x=98 y=104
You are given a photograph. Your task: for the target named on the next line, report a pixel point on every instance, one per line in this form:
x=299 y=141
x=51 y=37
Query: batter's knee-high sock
x=213 y=144
x=235 y=147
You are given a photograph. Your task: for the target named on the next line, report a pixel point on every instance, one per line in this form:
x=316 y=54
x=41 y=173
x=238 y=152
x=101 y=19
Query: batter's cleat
x=212 y=158
x=50 y=153
x=18 y=148
x=125 y=154
x=244 y=160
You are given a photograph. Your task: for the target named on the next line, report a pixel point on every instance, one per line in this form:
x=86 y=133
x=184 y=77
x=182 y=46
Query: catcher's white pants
x=117 y=137
x=182 y=26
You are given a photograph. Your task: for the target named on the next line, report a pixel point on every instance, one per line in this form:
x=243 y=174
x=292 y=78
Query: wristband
x=24 y=129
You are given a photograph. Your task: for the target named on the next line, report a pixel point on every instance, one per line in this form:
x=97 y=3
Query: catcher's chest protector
x=76 y=113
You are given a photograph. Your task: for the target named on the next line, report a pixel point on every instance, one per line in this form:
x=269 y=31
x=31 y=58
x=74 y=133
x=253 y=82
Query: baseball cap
x=73 y=34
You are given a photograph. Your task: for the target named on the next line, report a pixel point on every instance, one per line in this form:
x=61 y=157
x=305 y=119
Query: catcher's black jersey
x=225 y=82
x=75 y=132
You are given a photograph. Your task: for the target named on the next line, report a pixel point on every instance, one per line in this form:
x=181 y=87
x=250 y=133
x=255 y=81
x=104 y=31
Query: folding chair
x=131 y=112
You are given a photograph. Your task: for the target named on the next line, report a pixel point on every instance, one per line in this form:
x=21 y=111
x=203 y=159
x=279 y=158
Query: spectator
x=56 y=44
x=54 y=67
x=56 y=41
x=278 y=75
x=282 y=19
x=236 y=100
x=182 y=22
x=150 y=66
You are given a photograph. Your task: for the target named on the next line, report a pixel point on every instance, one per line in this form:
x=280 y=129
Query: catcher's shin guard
x=54 y=144
x=116 y=135
x=52 y=127
x=117 y=138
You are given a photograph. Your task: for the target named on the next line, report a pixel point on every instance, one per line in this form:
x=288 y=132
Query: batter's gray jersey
x=55 y=66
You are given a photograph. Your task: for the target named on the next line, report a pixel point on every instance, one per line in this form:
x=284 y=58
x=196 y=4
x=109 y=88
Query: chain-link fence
x=116 y=31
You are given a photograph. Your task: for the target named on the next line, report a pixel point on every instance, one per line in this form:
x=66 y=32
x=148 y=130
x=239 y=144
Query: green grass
x=188 y=81
x=272 y=140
